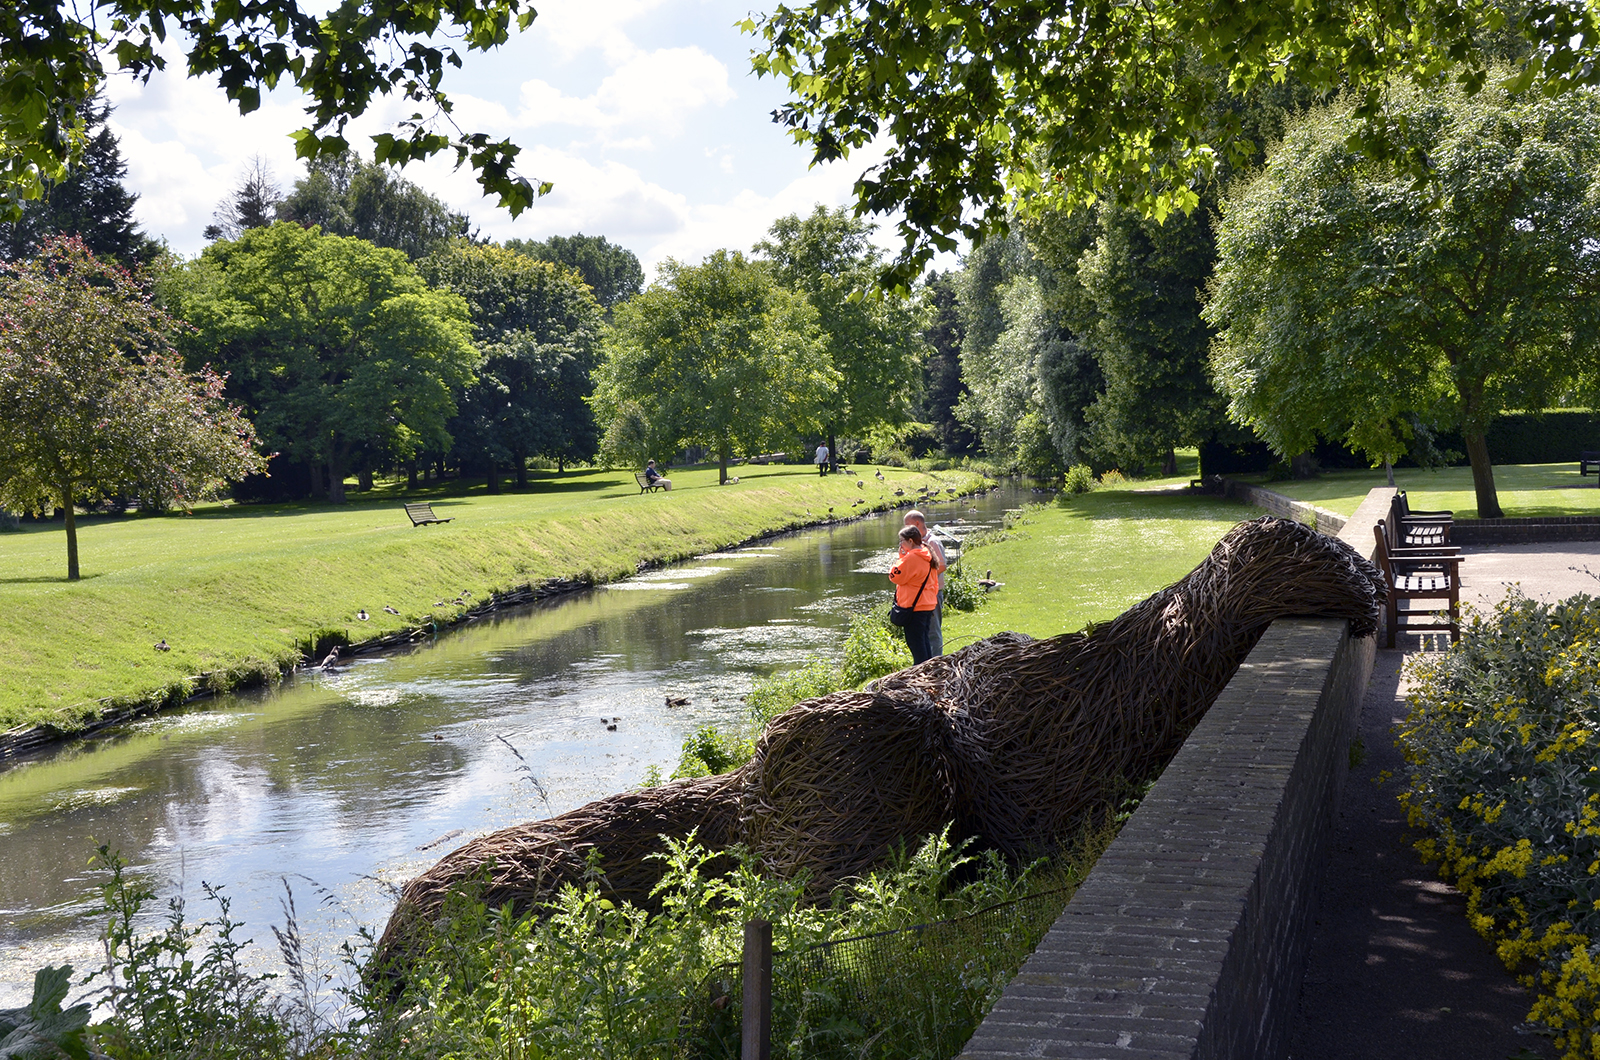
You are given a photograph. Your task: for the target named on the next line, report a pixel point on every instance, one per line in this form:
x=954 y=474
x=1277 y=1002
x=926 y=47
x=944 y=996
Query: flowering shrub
x=1503 y=750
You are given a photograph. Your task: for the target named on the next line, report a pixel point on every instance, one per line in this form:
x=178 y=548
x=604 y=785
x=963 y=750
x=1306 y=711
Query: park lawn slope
x=1087 y=558
x=1525 y=490
x=241 y=591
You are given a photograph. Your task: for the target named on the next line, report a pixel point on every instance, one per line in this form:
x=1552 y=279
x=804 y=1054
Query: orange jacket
x=908 y=572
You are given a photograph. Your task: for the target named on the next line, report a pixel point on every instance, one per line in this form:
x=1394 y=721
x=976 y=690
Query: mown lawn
x=1524 y=489
x=240 y=589
x=1089 y=557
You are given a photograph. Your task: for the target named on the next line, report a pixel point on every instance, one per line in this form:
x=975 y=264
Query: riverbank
x=242 y=593
x=1088 y=557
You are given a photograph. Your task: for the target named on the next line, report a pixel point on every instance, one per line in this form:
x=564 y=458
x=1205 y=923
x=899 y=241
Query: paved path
x=1395 y=972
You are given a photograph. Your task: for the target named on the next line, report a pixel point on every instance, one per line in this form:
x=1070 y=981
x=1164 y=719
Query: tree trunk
x=336 y=478
x=833 y=452
x=493 y=476
x=724 y=454
x=364 y=480
x=561 y=463
x=1169 y=462
x=522 y=471
x=317 y=485
x=67 y=504
x=1482 y=474
x=411 y=474
x=1388 y=469
x=1303 y=465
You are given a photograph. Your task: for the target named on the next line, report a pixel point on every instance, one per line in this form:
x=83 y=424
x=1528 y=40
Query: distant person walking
x=940 y=564
x=654 y=477
x=822 y=459
x=917 y=590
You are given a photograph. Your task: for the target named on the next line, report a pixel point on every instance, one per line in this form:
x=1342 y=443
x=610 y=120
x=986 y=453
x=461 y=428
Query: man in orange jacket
x=916 y=580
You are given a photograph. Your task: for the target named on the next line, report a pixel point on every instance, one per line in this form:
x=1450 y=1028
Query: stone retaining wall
x=1188 y=939
x=1326 y=522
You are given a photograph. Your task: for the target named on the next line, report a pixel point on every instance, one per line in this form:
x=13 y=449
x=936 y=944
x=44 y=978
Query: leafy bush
x=961 y=592
x=42 y=1028
x=1111 y=478
x=872 y=649
x=773 y=695
x=1079 y=479
x=710 y=750
x=1501 y=745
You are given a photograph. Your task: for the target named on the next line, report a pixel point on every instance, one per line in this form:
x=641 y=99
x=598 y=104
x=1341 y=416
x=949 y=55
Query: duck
x=677 y=701
x=988 y=582
x=861 y=484
x=611 y=728
x=162 y=645
x=899 y=493
x=331 y=658
x=391 y=610
x=362 y=616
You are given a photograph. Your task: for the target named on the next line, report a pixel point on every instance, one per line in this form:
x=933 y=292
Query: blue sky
x=643 y=112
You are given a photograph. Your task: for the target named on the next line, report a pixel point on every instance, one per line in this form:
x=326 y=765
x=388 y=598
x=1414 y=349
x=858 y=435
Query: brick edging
x=1189 y=936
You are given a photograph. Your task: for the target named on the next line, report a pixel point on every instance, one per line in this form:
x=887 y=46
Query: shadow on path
x=1394 y=971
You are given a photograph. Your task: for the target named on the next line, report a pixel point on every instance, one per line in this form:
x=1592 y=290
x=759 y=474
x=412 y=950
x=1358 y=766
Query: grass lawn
x=1089 y=557
x=1524 y=489
x=238 y=590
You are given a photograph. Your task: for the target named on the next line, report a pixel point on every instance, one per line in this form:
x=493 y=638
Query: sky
x=643 y=113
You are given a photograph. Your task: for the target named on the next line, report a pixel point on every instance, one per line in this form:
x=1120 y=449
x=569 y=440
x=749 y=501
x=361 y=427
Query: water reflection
x=350 y=779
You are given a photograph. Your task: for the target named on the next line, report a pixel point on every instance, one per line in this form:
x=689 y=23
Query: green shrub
x=872 y=648
x=1079 y=479
x=775 y=694
x=710 y=750
x=1113 y=477
x=1501 y=745
x=961 y=592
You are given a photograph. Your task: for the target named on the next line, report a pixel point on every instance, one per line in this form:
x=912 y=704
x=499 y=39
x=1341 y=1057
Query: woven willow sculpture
x=1013 y=739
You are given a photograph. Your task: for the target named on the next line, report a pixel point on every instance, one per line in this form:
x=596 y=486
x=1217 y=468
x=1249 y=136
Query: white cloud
x=575 y=28
x=655 y=91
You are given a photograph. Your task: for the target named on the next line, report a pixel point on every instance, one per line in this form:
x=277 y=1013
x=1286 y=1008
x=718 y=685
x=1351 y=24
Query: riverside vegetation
x=243 y=593
x=1500 y=748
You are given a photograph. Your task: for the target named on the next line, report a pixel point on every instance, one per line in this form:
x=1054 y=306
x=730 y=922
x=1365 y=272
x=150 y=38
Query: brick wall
x=1326 y=522
x=1188 y=938
x=1518 y=531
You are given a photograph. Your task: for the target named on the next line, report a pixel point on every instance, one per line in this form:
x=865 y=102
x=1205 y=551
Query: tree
x=343 y=57
x=942 y=386
x=338 y=347
x=874 y=339
x=717 y=354
x=89 y=202
x=992 y=110
x=1349 y=296
x=253 y=203
x=538 y=327
x=346 y=196
x=612 y=271
x=95 y=399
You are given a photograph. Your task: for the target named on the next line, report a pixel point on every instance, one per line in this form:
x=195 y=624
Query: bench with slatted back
x=422 y=514
x=645 y=485
x=1588 y=461
x=1411 y=529
x=1419 y=574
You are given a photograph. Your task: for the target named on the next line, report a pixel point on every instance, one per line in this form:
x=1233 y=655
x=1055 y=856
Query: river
x=347 y=784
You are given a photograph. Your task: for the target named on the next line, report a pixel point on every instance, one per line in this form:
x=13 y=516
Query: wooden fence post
x=756 y=1041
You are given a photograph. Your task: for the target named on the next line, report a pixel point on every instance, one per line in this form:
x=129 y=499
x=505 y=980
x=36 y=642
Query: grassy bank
x=238 y=590
x=1088 y=557
x=1524 y=489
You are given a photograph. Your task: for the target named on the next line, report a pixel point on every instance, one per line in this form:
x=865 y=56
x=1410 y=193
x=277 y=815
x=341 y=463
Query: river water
x=349 y=783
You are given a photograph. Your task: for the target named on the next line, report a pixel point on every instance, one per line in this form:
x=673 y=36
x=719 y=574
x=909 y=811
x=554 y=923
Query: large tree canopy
x=95 y=400
x=874 y=341
x=1349 y=296
x=613 y=272
x=347 y=196
x=342 y=55
x=717 y=354
x=988 y=109
x=538 y=327
x=338 y=347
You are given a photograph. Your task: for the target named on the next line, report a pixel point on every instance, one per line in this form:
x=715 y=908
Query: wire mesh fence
x=917 y=992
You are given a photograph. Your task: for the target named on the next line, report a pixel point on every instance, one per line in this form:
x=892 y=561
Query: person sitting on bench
x=654 y=477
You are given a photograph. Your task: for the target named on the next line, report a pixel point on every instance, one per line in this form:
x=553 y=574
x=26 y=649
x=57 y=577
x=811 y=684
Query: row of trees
x=1319 y=295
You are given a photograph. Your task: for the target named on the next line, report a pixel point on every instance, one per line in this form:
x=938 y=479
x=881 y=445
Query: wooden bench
x=1589 y=460
x=1408 y=529
x=645 y=485
x=1419 y=574
x=422 y=514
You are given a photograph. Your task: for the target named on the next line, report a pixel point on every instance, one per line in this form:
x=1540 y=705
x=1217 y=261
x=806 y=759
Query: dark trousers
x=919 y=635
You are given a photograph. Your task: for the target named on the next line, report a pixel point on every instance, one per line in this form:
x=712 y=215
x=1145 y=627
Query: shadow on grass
x=48 y=579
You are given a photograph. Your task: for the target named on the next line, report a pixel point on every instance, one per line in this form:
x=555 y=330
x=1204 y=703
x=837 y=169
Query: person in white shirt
x=822 y=459
x=931 y=543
